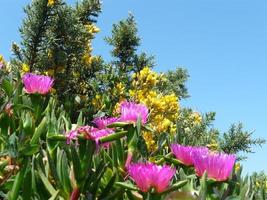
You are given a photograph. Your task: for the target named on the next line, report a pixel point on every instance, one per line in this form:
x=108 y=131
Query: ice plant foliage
x=148 y=175
x=131 y=112
x=37 y=83
x=184 y=153
x=103 y=122
x=217 y=165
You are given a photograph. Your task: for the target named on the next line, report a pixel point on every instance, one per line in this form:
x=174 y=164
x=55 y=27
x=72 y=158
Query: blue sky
x=221 y=43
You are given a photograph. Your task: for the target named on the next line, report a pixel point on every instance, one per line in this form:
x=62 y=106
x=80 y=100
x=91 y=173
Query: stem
x=129 y=158
x=153 y=196
x=75 y=194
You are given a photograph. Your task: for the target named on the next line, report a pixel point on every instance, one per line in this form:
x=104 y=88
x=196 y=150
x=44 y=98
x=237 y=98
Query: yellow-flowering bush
x=164 y=108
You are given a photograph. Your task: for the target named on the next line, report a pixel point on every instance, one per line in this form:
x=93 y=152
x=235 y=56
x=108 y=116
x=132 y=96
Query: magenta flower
x=217 y=165
x=103 y=122
x=184 y=153
x=130 y=112
x=90 y=133
x=147 y=175
x=93 y=133
x=37 y=83
x=71 y=135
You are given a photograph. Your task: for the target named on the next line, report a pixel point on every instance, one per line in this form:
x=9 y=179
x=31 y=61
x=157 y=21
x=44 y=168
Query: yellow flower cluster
x=196 y=118
x=92 y=28
x=150 y=142
x=97 y=102
x=145 y=78
x=51 y=2
x=25 y=68
x=87 y=57
x=164 y=109
x=118 y=91
x=213 y=145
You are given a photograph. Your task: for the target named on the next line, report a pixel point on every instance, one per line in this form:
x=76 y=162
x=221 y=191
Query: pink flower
x=71 y=135
x=184 y=153
x=147 y=175
x=1 y=65
x=130 y=112
x=90 y=133
x=103 y=122
x=37 y=83
x=93 y=133
x=217 y=165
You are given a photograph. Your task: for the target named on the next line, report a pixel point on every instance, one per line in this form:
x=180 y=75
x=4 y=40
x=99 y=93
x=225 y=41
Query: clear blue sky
x=222 y=43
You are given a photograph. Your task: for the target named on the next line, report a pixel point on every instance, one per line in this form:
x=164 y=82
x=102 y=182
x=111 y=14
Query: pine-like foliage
x=125 y=43
x=56 y=40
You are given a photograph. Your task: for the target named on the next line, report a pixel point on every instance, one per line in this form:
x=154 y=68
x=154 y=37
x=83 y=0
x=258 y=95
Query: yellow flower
x=119 y=88
x=51 y=2
x=213 y=146
x=50 y=53
x=91 y=28
x=76 y=74
x=50 y=72
x=97 y=102
x=25 y=68
x=2 y=61
x=1 y=58
x=87 y=59
x=150 y=142
x=60 y=69
x=196 y=118
x=53 y=91
x=237 y=167
x=257 y=184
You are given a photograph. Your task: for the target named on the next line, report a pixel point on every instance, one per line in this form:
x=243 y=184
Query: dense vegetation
x=73 y=126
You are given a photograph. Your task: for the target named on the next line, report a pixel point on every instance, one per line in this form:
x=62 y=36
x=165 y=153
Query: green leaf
x=78 y=173
x=28 y=124
x=118 y=124
x=12 y=145
x=80 y=119
x=141 y=146
x=29 y=149
x=172 y=160
x=65 y=173
x=39 y=131
x=126 y=185
x=14 y=193
x=162 y=140
x=7 y=87
x=26 y=188
x=109 y=186
x=45 y=181
x=120 y=152
x=54 y=196
x=176 y=186
x=23 y=107
x=138 y=126
x=203 y=187
x=112 y=137
x=96 y=181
